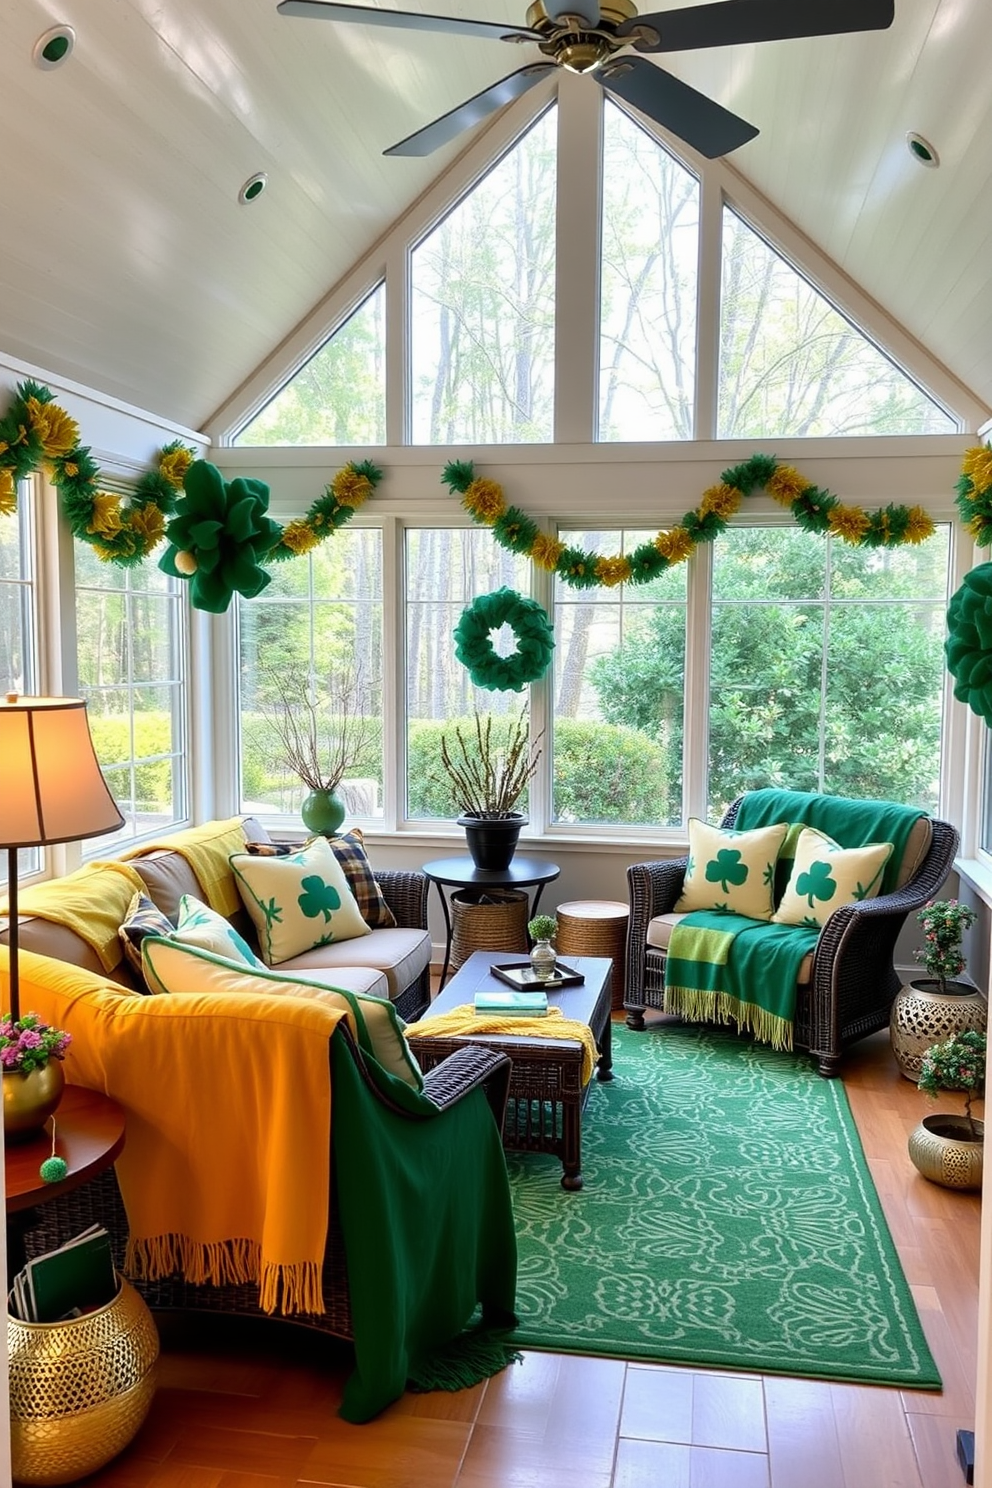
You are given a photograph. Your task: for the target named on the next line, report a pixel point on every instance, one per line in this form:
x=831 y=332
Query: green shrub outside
x=603 y=772
x=152 y=736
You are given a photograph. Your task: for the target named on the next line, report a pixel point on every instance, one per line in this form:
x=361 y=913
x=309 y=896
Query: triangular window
x=339 y=396
x=791 y=364
x=650 y=249
x=483 y=306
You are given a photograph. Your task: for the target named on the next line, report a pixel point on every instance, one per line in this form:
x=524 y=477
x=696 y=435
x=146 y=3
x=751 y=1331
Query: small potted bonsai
x=542 y=929
x=490 y=769
x=947 y=1148
x=944 y=922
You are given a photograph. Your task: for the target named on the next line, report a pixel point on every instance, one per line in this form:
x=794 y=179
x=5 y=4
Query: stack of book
x=509 y=1004
x=77 y=1277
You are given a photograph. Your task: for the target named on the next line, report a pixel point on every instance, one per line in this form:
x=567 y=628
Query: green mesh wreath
x=529 y=623
x=968 y=647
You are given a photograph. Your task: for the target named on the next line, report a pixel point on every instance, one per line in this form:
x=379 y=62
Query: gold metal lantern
x=81 y=1389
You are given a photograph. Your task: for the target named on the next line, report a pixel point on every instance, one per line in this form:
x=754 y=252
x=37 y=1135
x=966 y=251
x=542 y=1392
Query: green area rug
x=728 y=1220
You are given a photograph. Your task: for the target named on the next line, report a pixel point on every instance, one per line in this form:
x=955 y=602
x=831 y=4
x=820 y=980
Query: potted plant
x=542 y=929
x=947 y=1148
x=325 y=729
x=937 y=1006
x=30 y=1057
x=489 y=770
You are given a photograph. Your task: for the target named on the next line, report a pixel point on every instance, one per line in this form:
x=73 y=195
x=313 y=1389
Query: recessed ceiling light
x=253 y=188
x=53 y=47
x=922 y=150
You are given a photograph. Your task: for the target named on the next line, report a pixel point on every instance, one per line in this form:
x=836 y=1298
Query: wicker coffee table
x=544 y=1110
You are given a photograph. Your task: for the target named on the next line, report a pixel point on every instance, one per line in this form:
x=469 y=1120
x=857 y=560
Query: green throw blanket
x=724 y=968
x=428 y=1234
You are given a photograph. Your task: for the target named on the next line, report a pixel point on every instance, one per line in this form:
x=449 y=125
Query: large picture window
x=311 y=645
x=827 y=667
x=619 y=690
x=131 y=657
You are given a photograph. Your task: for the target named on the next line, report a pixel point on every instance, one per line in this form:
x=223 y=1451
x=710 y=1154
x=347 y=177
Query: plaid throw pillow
x=349 y=849
x=143 y=918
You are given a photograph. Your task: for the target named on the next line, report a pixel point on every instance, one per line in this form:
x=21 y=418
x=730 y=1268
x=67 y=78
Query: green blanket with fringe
x=726 y=968
x=427 y=1223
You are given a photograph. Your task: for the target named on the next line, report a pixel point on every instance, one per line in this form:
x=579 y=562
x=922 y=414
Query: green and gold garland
x=815 y=511
x=36 y=434
x=974 y=498
x=334 y=507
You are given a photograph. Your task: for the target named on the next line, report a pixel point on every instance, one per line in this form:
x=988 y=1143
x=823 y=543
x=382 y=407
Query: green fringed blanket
x=724 y=968
x=428 y=1234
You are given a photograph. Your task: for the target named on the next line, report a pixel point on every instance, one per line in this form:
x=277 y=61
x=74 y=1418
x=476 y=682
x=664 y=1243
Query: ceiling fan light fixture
x=53 y=47
x=253 y=188
x=922 y=150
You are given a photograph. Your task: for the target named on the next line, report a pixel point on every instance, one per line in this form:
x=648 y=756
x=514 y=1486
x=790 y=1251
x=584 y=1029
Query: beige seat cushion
x=400 y=954
x=660 y=933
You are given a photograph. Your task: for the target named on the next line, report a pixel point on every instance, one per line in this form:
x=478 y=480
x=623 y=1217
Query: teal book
x=512 y=1004
x=79 y=1276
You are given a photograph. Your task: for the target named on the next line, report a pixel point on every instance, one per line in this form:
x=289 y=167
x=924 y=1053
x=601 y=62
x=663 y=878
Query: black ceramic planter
x=492 y=840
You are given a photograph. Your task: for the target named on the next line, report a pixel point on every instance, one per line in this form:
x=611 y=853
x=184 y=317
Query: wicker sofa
x=393 y=963
x=846 y=987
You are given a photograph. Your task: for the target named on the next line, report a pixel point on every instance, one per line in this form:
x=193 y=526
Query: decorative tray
x=520 y=974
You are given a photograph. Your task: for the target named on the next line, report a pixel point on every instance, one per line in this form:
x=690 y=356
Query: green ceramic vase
x=323 y=812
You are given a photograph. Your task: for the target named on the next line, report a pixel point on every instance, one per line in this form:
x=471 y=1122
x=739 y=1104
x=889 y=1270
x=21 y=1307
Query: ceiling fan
x=591 y=36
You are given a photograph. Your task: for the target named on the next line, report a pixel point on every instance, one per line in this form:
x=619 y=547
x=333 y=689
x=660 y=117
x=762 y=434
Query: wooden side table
x=89 y=1135
x=596 y=927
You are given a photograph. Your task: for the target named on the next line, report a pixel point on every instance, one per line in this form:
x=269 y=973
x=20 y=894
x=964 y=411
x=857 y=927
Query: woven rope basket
x=594 y=927
x=499 y=924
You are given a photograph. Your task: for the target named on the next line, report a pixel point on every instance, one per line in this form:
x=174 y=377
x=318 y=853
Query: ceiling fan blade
x=368 y=15
x=703 y=124
x=472 y=111
x=730 y=22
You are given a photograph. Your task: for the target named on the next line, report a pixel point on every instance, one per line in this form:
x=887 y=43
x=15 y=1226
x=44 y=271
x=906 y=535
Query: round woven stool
x=487 y=920
x=596 y=927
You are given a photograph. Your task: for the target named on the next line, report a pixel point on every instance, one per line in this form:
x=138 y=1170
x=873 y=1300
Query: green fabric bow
x=219 y=536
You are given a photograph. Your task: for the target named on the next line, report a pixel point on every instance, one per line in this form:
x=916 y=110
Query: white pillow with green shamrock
x=824 y=876
x=297 y=902
x=732 y=871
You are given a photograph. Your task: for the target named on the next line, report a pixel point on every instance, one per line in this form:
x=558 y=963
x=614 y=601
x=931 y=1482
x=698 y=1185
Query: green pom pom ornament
x=53 y=1169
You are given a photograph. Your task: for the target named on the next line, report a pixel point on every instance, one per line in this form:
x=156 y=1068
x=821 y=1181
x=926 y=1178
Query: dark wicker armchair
x=852 y=982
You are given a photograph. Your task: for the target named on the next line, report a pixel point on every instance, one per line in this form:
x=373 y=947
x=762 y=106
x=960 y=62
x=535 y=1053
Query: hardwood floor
x=255 y=1406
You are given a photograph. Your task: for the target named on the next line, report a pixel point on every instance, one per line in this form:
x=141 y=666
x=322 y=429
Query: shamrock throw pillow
x=824 y=876
x=298 y=901
x=732 y=871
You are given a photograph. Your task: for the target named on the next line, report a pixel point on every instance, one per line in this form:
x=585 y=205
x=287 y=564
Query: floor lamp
x=51 y=790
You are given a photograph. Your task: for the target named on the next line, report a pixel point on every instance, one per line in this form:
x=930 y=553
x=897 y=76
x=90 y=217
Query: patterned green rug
x=727 y=1220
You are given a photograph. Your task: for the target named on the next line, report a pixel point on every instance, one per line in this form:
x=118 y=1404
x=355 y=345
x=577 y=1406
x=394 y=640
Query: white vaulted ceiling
x=127 y=262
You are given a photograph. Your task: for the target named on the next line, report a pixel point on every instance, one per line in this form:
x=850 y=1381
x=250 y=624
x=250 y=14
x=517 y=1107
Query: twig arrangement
x=489 y=779
x=323 y=735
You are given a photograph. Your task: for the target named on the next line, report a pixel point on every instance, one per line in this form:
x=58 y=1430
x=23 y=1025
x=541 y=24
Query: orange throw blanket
x=225 y=1173
x=458 y=1021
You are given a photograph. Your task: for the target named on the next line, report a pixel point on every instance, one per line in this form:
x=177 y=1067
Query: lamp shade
x=51 y=788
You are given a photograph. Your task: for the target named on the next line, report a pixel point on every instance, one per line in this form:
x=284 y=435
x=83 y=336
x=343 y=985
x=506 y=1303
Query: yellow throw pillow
x=825 y=876
x=733 y=871
x=298 y=902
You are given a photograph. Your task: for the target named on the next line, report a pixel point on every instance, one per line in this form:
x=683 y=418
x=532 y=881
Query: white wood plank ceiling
x=127 y=262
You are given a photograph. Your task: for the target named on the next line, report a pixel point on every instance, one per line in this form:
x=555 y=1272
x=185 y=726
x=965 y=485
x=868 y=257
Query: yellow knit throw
x=93 y=902
x=461 y=1020
x=207 y=849
x=225 y=1172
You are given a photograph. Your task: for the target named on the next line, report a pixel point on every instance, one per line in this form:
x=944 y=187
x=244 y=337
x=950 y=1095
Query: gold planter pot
x=942 y=1149
x=79 y=1390
x=923 y=1016
x=29 y=1098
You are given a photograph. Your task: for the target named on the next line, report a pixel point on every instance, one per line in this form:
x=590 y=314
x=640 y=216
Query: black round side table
x=461 y=873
